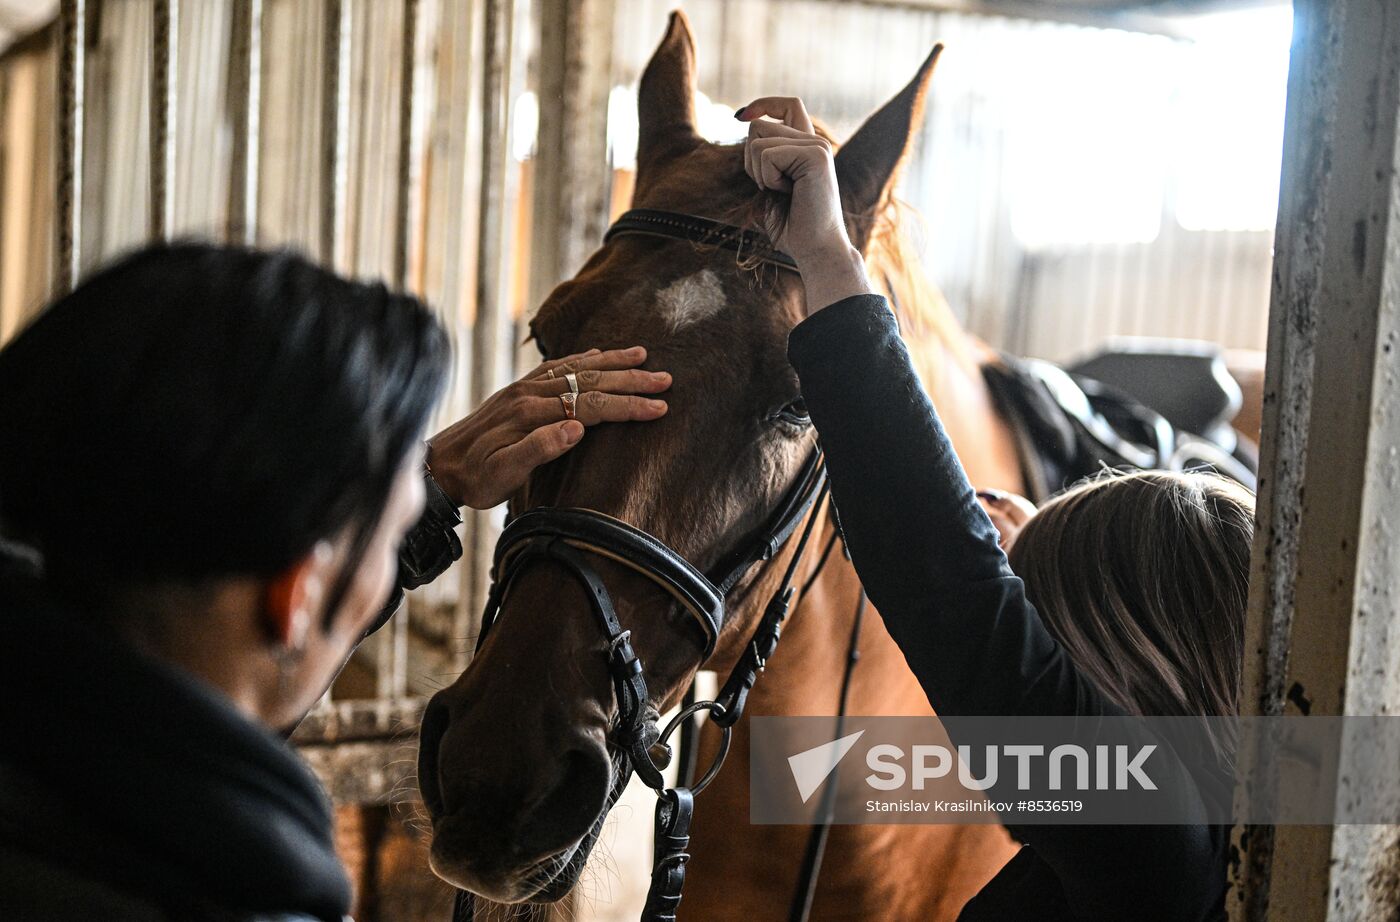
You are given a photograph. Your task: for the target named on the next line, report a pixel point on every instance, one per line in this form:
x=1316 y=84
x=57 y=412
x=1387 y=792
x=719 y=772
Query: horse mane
x=893 y=264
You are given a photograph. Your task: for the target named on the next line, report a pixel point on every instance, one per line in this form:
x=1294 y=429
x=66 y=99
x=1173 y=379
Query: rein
x=576 y=538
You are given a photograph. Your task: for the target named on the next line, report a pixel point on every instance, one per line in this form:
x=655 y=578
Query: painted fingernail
x=739 y=112
x=989 y=496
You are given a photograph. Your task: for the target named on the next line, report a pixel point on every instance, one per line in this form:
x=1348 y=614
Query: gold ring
x=570 y=402
x=573 y=383
x=549 y=373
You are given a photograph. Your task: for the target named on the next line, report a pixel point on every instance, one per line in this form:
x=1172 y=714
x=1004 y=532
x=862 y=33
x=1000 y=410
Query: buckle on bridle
x=759 y=660
x=622 y=656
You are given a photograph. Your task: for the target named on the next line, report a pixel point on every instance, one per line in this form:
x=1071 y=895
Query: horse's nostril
x=435 y=721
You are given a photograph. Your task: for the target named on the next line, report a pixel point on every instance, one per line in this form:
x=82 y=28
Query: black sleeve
x=429 y=548
x=924 y=548
x=929 y=559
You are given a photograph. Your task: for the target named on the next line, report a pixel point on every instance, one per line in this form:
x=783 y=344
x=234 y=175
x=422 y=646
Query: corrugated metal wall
x=1050 y=167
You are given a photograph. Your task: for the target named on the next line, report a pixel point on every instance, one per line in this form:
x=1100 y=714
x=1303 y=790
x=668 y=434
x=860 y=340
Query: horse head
x=517 y=768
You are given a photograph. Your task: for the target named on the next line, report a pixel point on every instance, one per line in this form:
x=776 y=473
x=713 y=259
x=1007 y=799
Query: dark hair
x=1143 y=578
x=196 y=411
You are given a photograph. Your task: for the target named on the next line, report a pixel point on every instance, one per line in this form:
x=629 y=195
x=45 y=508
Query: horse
x=516 y=767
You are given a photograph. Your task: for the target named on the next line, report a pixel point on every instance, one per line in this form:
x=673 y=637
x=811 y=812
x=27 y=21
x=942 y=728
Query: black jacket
x=131 y=791
x=928 y=557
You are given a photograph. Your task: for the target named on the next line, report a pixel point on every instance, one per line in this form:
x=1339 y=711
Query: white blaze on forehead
x=691 y=299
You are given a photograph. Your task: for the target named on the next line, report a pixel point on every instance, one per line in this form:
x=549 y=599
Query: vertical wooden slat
x=72 y=53
x=403 y=193
x=449 y=208
x=244 y=105
x=334 y=76
x=488 y=338
x=572 y=176
x=1320 y=633
x=165 y=48
x=402 y=233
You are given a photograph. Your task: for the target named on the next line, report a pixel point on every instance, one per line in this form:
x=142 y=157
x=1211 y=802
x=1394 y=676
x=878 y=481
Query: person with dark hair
x=212 y=478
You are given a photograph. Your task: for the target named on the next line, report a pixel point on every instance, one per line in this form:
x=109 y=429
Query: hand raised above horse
x=788 y=156
x=483 y=458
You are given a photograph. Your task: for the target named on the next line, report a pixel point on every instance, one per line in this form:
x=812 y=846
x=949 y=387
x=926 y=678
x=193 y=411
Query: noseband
x=577 y=538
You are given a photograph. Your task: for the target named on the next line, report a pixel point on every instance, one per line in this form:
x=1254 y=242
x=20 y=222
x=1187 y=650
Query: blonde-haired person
x=1124 y=596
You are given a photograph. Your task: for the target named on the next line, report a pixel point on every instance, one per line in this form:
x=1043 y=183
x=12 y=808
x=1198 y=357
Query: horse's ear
x=666 y=97
x=867 y=164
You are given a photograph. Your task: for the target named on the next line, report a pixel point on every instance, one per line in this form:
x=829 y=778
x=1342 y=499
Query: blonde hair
x=1143 y=579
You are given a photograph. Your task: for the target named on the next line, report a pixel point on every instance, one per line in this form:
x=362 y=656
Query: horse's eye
x=794 y=414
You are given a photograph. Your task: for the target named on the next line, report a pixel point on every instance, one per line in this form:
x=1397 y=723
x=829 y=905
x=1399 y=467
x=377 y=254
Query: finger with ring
x=570 y=402
x=572 y=379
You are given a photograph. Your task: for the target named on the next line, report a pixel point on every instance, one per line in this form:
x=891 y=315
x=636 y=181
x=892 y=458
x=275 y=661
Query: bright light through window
x=1230 y=126
x=1087 y=143
x=622 y=127
x=715 y=121
x=525 y=126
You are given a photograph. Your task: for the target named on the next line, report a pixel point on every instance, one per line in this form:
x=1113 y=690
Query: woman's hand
x=1008 y=512
x=788 y=156
x=483 y=458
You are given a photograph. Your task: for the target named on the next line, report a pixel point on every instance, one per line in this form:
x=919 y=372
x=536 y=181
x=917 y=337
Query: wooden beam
x=165 y=68
x=68 y=194
x=405 y=175
x=334 y=80
x=1320 y=636
x=491 y=351
x=572 y=176
x=364 y=751
x=244 y=106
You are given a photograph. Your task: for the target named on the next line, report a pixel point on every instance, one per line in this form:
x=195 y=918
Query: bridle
x=576 y=538
x=747 y=245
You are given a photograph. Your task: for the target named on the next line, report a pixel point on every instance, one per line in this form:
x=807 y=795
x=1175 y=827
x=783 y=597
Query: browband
x=650 y=223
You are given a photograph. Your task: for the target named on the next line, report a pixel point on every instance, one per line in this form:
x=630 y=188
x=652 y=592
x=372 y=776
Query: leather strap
x=635 y=731
x=649 y=222
x=734 y=695
x=606 y=536
x=674 y=808
x=780 y=526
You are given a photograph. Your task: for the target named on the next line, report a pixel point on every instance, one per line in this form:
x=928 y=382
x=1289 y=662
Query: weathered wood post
x=491 y=330
x=572 y=175
x=244 y=106
x=1323 y=633
x=165 y=69
x=72 y=56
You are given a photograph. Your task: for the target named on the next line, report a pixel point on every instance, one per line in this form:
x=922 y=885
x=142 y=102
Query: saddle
x=1072 y=424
